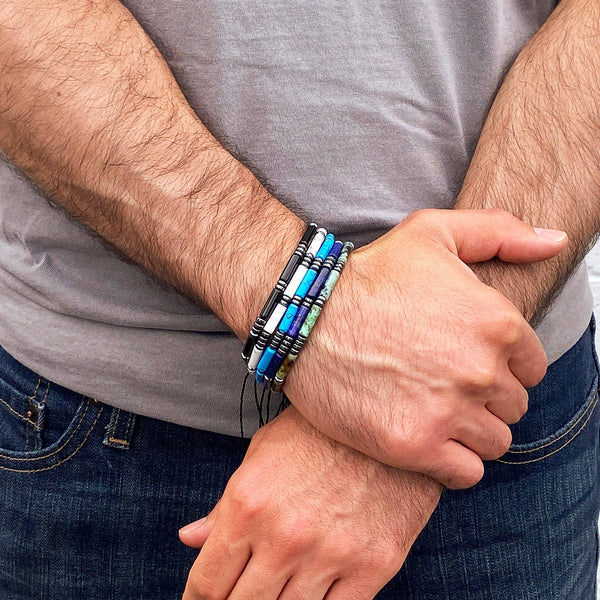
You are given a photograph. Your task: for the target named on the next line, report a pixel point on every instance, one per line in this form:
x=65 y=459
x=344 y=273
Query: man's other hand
x=305 y=517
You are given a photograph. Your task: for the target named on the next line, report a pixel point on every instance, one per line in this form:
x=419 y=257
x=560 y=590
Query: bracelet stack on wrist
x=283 y=326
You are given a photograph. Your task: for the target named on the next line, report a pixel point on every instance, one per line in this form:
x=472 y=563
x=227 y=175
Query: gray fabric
x=356 y=113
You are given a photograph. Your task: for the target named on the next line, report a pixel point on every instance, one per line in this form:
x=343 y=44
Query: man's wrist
x=243 y=247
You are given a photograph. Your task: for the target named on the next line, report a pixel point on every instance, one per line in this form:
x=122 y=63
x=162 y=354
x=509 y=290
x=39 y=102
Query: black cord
x=242 y=406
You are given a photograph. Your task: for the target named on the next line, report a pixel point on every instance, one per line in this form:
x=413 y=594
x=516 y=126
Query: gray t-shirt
x=356 y=113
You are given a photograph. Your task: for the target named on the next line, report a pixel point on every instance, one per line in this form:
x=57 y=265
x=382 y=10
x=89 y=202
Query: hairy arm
x=538 y=155
x=90 y=111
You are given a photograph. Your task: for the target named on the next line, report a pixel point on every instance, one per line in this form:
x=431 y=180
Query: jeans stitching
x=27 y=458
x=124 y=440
x=526 y=462
x=581 y=416
x=32 y=397
x=60 y=462
x=43 y=400
x=114 y=440
x=20 y=416
x=128 y=426
x=117 y=415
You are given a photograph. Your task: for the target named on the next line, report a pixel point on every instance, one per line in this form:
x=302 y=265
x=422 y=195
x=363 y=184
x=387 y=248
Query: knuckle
x=426 y=215
x=293 y=535
x=508 y=326
x=247 y=503
x=522 y=405
x=425 y=219
x=514 y=406
x=538 y=368
x=483 y=376
x=502 y=442
x=505 y=439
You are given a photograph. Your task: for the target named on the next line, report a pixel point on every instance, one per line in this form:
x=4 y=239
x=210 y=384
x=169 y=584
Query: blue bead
x=306 y=282
x=274 y=366
x=298 y=320
x=263 y=363
x=326 y=246
x=290 y=313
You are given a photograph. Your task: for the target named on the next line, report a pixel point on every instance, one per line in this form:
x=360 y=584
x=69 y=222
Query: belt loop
x=120 y=429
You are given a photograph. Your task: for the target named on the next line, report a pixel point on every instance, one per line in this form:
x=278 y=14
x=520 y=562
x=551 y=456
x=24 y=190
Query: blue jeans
x=91 y=498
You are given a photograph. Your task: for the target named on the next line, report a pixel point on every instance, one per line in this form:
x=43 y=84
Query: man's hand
x=415 y=362
x=305 y=517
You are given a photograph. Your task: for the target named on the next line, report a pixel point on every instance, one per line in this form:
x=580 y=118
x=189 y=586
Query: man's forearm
x=538 y=156
x=90 y=111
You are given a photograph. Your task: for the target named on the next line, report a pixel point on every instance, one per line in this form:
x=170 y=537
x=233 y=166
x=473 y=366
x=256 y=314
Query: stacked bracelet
x=311 y=318
x=286 y=297
x=277 y=292
x=293 y=306
x=293 y=329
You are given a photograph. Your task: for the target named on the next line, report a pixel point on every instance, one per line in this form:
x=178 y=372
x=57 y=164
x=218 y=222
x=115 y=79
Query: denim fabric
x=91 y=498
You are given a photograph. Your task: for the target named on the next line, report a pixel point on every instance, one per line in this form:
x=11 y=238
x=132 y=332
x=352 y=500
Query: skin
x=365 y=508
x=90 y=112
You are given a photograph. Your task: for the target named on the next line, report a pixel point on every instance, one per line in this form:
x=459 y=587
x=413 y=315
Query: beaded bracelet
x=292 y=308
x=294 y=328
x=311 y=318
x=288 y=294
x=284 y=279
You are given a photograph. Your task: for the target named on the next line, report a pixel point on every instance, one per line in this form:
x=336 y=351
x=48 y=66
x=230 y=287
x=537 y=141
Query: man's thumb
x=195 y=534
x=480 y=235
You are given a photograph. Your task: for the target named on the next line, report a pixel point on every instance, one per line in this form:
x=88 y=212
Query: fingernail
x=192 y=526
x=551 y=234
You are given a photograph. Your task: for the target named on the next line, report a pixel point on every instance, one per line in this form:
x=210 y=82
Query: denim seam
x=112 y=439
x=20 y=416
x=117 y=416
x=32 y=458
x=32 y=397
x=591 y=404
x=60 y=462
x=43 y=400
x=526 y=462
x=128 y=427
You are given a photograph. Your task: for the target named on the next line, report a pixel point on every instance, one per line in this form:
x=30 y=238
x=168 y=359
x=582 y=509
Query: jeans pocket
x=560 y=407
x=41 y=424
